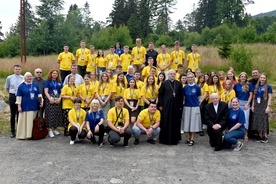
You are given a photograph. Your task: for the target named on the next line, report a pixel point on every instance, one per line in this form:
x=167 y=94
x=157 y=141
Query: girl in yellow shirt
x=149 y=91
x=100 y=62
x=93 y=79
x=161 y=78
x=204 y=90
x=214 y=86
x=228 y=93
x=87 y=91
x=183 y=79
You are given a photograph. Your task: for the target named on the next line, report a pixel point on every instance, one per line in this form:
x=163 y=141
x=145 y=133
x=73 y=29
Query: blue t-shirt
x=243 y=95
x=236 y=116
x=260 y=91
x=119 y=51
x=94 y=118
x=191 y=94
x=53 y=85
x=129 y=76
x=29 y=94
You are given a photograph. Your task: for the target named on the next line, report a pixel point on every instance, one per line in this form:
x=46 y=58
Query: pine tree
x=117 y=15
x=1 y=34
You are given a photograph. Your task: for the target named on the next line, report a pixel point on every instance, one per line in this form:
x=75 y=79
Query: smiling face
x=235 y=103
x=262 y=79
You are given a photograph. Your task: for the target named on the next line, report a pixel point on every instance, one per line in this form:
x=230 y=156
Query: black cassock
x=170 y=97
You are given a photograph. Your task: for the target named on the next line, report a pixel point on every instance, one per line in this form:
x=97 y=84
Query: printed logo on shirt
x=193 y=90
x=234 y=116
x=35 y=89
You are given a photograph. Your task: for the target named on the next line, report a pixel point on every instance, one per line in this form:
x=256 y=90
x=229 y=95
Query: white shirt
x=216 y=108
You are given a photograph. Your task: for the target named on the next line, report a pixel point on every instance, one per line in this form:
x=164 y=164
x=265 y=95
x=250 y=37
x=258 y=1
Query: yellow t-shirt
x=204 y=89
x=91 y=63
x=138 y=55
x=149 y=93
x=139 y=85
x=155 y=80
x=125 y=61
x=119 y=89
x=193 y=61
x=112 y=116
x=66 y=60
x=177 y=75
x=81 y=55
x=226 y=96
x=105 y=89
x=69 y=91
x=163 y=60
x=213 y=89
x=100 y=62
x=177 y=58
x=77 y=116
x=112 y=61
x=95 y=83
x=86 y=91
x=147 y=119
x=113 y=80
x=132 y=94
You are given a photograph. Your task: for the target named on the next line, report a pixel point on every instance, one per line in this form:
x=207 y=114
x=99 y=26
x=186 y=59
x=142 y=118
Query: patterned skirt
x=260 y=118
x=53 y=114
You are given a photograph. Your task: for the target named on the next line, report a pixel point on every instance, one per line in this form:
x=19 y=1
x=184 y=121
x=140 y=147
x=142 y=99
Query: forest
x=213 y=22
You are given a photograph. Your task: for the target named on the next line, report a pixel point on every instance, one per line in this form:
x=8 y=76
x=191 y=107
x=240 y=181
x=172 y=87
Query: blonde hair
x=97 y=102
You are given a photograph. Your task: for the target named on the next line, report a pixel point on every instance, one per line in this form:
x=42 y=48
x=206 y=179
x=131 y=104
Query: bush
x=164 y=39
x=241 y=59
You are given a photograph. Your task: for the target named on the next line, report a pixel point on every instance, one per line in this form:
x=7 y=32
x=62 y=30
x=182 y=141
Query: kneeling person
x=118 y=122
x=147 y=123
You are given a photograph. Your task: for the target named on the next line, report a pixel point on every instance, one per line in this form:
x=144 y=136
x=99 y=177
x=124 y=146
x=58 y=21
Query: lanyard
x=103 y=88
x=164 y=58
x=77 y=115
x=151 y=91
x=30 y=89
x=151 y=117
x=73 y=90
x=176 y=54
x=194 y=56
x=54 y=83
x=132 y=93
x=87 y=89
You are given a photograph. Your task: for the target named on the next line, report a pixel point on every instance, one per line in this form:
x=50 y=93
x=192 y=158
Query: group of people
x=144 y=92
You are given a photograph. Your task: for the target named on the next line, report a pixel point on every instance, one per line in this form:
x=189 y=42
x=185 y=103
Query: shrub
x=241 y=59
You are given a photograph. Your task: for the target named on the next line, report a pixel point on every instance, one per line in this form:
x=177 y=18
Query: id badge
x=97 y=116
x=111 y=64
x=131 y=103
x=163 y=63
x=258 y=100
x=176 y=61
x=55 y=92
x=32 y=96
x=119 y=127
x=86 y=99
x=82 y=57
x=138 y=57
x=194 y=64
x=103 y=97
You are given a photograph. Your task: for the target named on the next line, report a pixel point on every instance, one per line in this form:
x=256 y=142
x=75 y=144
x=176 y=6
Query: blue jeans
x=100 y=71
x=137 y=132
x=233 y=136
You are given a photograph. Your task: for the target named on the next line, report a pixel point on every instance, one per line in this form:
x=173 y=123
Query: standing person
x=170 y=102
x=222 y=78
x=193 y=59
x=228 y=93
x=65 y=61
x=112 y=60
x=151 y=53
x=78 y=78
x=191 y=112
x=87 y=91
x=118 y=122
x=101 y=64
x=146 y=70
x=216 y=119
x=81 y=55
x=214 y=86
x=132 y=100
x=138 y=55
x=161 y=78
x=244 y=92
x=236 y=129
x=130 y=73
x=69 y=93
x=11 y=85
x=179 y=71
x=261 y=107
x=76 y=118
x=93 y=80
x=183 y=79
x=91 y=61
x=125 y=59
x=29 y=100
x=149 y=91
x=147 y=123
x=118 y=49
x=163 y=60
x=139 y=84
x=53 y=109
x=255 y=77
x=39 y=80
x=231 y=77
x=177 y=56
x=94 y=122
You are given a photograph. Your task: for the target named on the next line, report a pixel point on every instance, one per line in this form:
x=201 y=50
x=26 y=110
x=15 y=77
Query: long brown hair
x=49 y=77
x=245 y=86
x=118 y=82
x=101 y=81
x=258 y=85
x=152 y=85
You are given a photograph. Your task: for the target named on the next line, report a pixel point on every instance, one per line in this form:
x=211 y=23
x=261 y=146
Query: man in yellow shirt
x=118 y=122
x=179 y=71
x=65 y=61
x=163 y=60
x=193 y=59
x=146 y=70
x=138 y=55
x=91 y=61
x=112 y=60
x=147 y=123
x=177 y=56
x=81 y=55
x=125 y=59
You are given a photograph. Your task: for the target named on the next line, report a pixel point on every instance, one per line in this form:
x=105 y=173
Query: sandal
x=191 y=143
x=188 y=141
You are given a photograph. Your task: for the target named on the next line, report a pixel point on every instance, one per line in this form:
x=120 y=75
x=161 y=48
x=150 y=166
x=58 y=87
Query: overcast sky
x=100 y=9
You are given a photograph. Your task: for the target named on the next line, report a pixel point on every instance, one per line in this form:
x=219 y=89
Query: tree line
x=213 y=22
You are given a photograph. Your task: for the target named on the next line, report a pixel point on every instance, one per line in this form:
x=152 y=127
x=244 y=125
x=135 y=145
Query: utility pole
x=23 y=52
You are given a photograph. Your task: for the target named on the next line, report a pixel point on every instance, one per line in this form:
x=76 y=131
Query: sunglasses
x=38 y=72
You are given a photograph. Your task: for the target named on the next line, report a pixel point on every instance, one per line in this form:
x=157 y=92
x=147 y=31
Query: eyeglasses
x=38 y=72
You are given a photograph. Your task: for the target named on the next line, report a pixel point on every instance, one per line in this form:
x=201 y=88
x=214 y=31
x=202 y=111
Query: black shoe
x=201 y=133
x=12 y=135
x=218 y=148
x=259 y=139
x=126 y=144
x=136 y=142
x=93 y=140
x=151 y=141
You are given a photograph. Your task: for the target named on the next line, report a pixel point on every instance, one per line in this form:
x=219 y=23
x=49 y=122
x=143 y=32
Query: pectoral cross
x=173 y=94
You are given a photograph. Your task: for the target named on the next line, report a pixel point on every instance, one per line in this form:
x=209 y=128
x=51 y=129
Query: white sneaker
x=238 y=148
x=77 y=139
x=72 y=142
x=51 y=134
x=56 y=132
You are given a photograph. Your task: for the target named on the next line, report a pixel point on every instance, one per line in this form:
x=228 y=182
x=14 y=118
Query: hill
x=267 y=14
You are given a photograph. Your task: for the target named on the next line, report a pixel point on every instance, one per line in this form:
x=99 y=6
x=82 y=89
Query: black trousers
x=115 y=137
x=63 y=74
x=215 y=137
x=14 y=111
x=73 y=133
x=82 y=70
x=100 y=134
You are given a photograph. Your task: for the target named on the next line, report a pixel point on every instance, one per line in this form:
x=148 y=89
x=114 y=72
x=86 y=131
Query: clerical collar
x=171 y=80
x=191 y=84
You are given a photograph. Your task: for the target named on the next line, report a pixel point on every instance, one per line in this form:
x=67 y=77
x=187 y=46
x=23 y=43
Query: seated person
x=76 y=117
x=118 y=122
x=236 y=128
x=94 y=122
x=147 y=123
x=216 y=117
